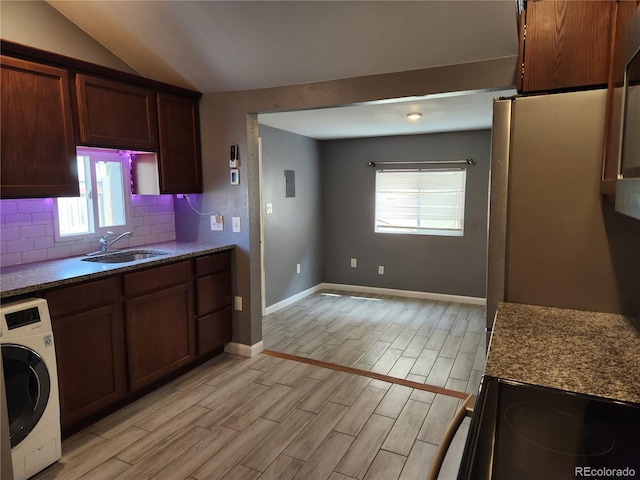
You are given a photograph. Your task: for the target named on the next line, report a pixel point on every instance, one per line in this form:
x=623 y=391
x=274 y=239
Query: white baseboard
x=376 y=291
x=292 y=299
x=405 y=293
x=244 y=350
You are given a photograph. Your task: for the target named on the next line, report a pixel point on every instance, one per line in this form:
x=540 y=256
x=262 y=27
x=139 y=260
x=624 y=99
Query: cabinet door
x=38 y=147
x=159 y=333
x=567 y=44
x=179 y=126
x=214 y=330
x=91 y=362
x=116 y=114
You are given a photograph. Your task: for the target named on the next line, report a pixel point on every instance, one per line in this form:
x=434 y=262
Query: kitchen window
x=104 y=201
x=420 y=202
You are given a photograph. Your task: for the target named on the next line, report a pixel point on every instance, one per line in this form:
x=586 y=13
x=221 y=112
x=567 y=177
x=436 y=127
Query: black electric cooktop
x=527 y=432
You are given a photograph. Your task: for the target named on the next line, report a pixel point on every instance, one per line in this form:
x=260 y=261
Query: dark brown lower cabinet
x=158 y=334
x=119 y=334
x=213 y=300
x=91 y=367
x=88 y=332
x=214 y=330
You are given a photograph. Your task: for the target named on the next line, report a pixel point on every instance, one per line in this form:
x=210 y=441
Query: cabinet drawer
x=213 y=292
x=158 y=277
x=80 y=297
x=214 y=330
x=213 y=263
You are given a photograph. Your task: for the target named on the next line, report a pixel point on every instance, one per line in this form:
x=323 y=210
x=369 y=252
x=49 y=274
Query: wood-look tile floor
x=266 y=418
x=425 y=341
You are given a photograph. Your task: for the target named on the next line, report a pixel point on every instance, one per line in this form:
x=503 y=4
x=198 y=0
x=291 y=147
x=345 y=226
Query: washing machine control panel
x=22 y=318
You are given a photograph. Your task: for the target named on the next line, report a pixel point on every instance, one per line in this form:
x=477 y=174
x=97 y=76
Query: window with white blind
x=420 y=202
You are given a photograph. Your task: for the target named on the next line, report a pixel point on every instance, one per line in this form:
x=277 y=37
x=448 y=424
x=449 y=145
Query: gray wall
x=566 y=246
x=39 y=25
x=436 y=264
x=231 y=117
x=293 y=232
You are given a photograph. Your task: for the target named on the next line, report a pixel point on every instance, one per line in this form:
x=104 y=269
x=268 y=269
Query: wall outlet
x=354 y=262
x=238 y=303
x=236 y=224
x=217 y=222
x=268 y=208
x=380 y=270
x=297 y=268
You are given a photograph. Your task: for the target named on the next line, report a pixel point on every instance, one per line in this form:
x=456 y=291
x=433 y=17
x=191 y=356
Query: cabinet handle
x=462 y=412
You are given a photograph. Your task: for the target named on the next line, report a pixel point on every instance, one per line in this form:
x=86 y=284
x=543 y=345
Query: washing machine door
x=28 y=386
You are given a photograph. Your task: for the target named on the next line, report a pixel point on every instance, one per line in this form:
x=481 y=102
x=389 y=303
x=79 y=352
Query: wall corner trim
x=244 y=350
x=293 y=299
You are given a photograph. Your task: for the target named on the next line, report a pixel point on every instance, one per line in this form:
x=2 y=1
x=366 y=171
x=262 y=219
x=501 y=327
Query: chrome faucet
x=105 y=244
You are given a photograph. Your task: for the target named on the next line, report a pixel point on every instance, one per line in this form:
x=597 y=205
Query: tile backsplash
x=27 y=234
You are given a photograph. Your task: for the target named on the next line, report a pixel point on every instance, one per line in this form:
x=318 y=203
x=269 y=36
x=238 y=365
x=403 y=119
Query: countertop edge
x=183 y=251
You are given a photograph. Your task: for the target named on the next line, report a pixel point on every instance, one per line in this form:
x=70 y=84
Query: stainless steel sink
x=124 y=257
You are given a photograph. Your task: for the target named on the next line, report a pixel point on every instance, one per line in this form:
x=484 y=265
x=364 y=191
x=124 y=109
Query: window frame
x=399 y=230
x=96 y=155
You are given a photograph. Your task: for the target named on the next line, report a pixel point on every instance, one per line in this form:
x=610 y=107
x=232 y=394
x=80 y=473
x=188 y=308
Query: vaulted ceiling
x=236 y=45
x=214 y=46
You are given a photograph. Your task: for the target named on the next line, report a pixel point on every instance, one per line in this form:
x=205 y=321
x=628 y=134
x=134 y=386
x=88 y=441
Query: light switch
x=236 y=224
x=268 y=208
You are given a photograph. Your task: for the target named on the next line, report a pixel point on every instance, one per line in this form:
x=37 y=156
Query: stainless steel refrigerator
x=548 y=238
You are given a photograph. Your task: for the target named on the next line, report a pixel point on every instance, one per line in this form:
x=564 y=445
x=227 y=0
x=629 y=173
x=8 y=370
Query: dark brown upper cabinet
x=38 y=147
x=116 y=114
x=565 y=44
x=44 y=118
x=179 y=127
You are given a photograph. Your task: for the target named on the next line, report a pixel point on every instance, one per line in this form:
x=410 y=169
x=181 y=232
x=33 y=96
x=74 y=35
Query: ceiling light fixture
x=413 y=116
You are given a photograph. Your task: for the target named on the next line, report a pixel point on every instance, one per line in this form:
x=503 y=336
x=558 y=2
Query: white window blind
x=423 y=202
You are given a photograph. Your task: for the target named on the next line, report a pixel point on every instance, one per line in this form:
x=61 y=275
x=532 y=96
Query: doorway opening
x=334 y=289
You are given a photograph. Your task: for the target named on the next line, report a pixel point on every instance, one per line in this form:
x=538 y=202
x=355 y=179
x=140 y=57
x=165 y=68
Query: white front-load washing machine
x=31 y=381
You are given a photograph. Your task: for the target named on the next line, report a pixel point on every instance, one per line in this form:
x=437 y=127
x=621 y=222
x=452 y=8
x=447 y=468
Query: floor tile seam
x=377 y=376
x=406 y=456
x=356 y=437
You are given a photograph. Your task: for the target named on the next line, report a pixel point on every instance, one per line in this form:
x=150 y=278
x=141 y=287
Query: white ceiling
x=440 y=113
x=236 y=45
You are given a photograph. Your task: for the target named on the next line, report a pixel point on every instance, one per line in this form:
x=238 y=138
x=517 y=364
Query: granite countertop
x=584 y=352
x=31 y=277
